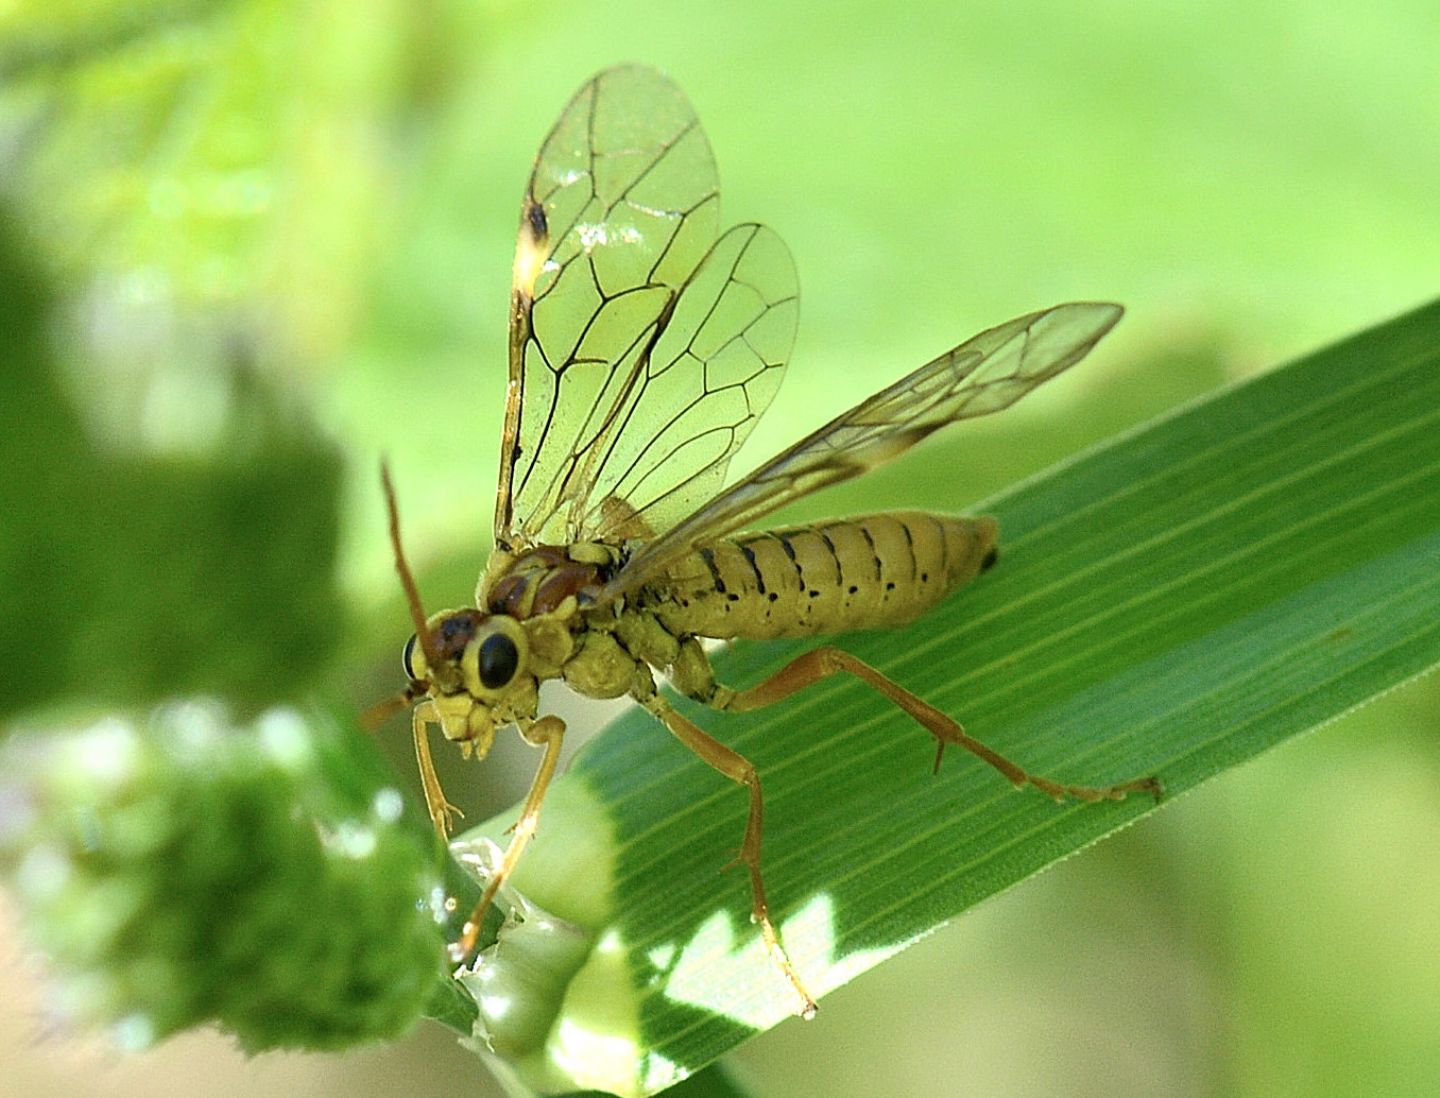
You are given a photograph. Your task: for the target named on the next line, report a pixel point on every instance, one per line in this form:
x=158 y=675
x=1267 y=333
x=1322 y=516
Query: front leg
x=442 y=812
x=549 y=733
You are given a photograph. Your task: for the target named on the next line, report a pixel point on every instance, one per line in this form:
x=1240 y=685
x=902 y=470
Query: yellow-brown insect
x=644 y=345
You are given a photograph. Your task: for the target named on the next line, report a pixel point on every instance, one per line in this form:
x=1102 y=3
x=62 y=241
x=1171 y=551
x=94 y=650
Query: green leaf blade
x=1172 y=603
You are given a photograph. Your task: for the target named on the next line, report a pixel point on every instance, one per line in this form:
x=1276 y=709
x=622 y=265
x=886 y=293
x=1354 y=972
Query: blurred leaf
x=1173 y=603
x=181 y=871
x=46 y=38
x=131 y=574
x=206 y=153
x=138 y=148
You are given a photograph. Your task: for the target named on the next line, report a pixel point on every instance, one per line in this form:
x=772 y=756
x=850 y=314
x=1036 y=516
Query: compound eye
x=499 y=659
x=407 y=658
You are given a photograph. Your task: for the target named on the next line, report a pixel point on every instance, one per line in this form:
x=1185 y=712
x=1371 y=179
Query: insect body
x=644 y=344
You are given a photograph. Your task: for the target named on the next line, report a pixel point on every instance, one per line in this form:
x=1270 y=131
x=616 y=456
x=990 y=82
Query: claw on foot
x=443 y=816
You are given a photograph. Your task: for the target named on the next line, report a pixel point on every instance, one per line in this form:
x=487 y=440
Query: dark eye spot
x=498 y=661
x=407 y=656
x=535 y=214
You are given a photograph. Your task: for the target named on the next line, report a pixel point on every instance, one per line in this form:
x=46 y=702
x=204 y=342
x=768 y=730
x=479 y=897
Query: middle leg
x=738 y=769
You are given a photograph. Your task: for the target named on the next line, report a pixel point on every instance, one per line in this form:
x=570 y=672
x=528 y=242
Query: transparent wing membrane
x=985 y=374
x=642 y=348
x=714 y=368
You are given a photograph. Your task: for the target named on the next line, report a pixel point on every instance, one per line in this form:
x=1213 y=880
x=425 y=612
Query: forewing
x=715 y=366
x=985 y=374
x=641 y=347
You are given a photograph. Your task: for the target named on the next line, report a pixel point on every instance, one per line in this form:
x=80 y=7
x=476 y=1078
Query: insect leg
x=691 y=673
x=547 y=732
x=442 y=812
x=738 y=769
x=823 y=662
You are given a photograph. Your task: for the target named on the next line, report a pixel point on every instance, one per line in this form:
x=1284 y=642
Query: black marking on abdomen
x=790 y=552
x=708 y=556
x=874 y=556
x=944 y=549
x=835 y=556
x=910 y=545
x=749 y=555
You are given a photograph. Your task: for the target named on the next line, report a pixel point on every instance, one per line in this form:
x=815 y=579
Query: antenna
x=407 y=580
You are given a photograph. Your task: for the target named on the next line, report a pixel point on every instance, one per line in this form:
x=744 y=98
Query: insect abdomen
x=859 y=573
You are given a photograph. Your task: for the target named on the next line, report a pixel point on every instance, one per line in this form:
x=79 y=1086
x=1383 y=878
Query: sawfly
x=644 y=345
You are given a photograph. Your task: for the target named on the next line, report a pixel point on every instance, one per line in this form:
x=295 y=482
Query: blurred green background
x=249 y=247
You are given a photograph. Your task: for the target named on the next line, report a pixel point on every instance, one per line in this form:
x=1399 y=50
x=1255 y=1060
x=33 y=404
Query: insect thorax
x=551 y=590
x=608 y=649
x=540 y=580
